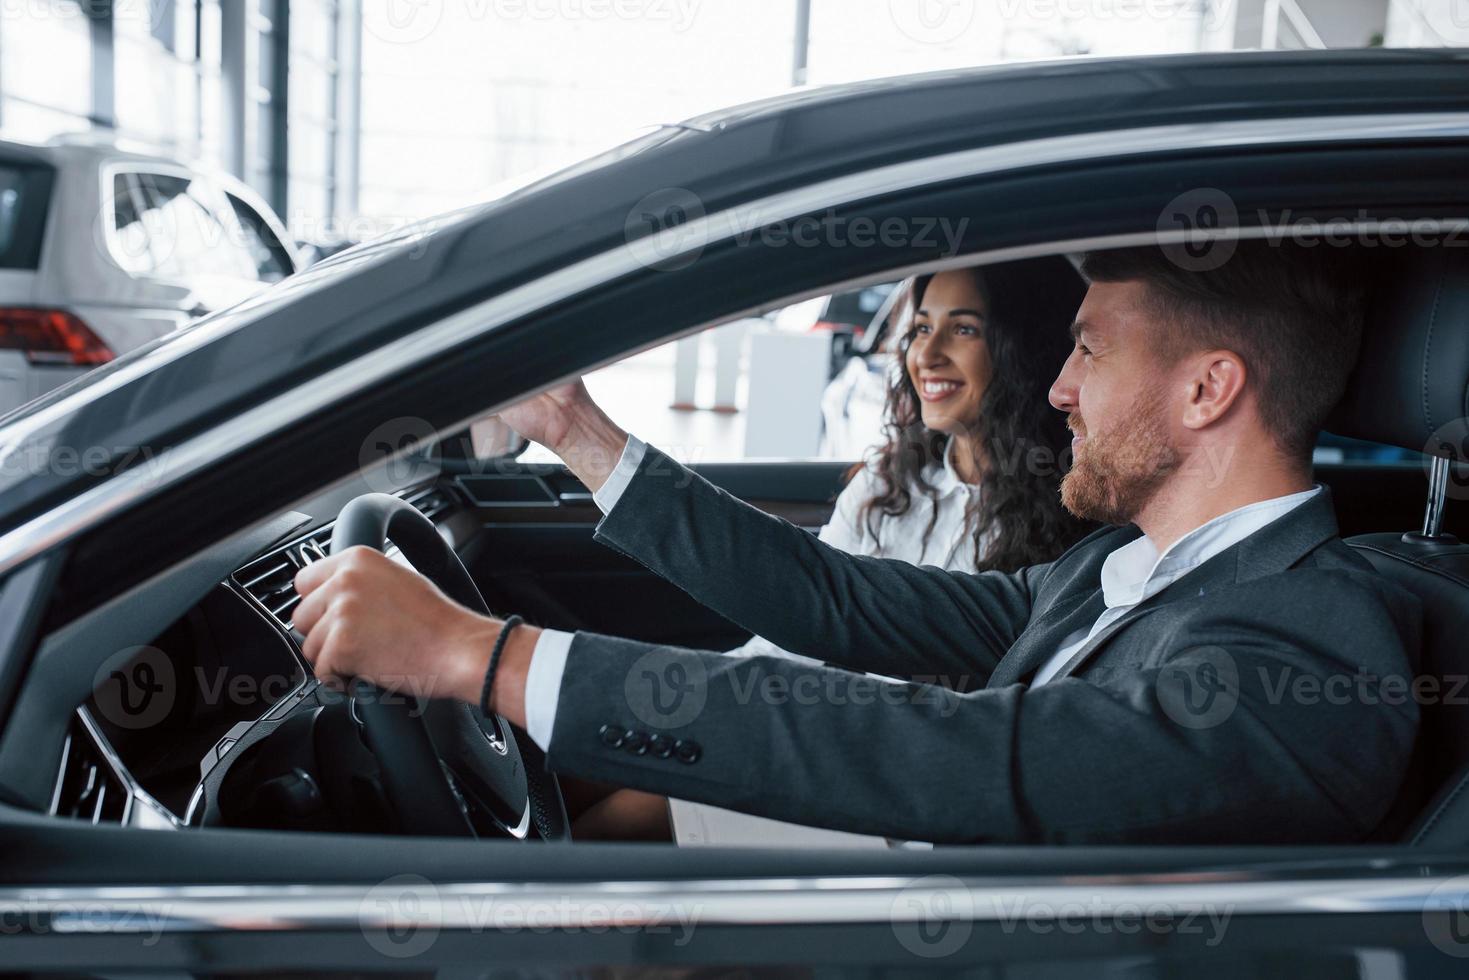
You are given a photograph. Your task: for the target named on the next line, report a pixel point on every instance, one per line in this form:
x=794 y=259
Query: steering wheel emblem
x=491 y=729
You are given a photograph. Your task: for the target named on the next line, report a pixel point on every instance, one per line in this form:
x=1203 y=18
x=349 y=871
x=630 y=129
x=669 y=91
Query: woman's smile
x=939 y=389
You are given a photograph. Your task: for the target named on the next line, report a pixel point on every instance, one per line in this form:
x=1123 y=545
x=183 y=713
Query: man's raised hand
x=566 y=421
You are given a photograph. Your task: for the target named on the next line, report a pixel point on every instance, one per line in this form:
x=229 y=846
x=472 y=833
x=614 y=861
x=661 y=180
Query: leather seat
x=1437 y=572
x=1411 y=389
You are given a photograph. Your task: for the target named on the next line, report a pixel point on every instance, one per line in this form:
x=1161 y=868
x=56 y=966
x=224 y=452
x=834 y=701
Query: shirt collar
x=1136 y=571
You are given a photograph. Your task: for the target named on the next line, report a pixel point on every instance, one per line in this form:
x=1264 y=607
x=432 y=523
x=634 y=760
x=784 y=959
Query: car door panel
x=313 y=904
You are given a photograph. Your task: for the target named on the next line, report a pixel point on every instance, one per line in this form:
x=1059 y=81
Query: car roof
x=366 y=296
x=88 y=150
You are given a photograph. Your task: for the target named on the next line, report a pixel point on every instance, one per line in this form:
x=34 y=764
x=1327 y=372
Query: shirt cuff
x=543 y=685
x=611 y=490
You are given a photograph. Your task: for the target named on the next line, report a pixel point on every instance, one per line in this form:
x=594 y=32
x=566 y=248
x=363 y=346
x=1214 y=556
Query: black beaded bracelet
x=484 y=696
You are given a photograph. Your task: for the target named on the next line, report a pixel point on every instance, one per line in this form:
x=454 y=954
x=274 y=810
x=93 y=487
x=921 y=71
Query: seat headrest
x=1410 y=387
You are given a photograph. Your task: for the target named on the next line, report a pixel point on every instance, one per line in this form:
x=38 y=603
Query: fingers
x=313 y=585
x=314 y=575
x=310 y=609
x=361 y=613
x=324 y=586
x=314 y=630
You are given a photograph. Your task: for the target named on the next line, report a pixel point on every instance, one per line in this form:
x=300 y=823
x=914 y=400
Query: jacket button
x=687 y=750
x=661 y=746
x=636 y=743
x=610 y=736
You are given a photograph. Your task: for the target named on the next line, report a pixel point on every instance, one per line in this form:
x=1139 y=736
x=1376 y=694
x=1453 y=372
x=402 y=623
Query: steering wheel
x=432 y=759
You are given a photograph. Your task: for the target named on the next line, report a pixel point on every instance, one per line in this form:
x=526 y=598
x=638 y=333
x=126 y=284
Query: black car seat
x=1411 y=389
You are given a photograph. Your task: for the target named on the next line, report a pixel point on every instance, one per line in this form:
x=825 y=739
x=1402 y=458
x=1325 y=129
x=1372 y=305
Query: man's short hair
x=1292 y=313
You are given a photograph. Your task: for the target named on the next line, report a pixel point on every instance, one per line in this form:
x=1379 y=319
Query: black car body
x=128 y=499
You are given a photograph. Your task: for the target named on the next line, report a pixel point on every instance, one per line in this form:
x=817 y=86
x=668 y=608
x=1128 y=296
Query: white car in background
x=854 y=405
x=103 y=250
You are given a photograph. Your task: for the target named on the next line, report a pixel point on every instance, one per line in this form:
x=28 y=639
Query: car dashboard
x=166 y=721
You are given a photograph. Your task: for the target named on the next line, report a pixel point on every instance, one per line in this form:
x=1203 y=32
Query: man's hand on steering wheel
x=367 y=617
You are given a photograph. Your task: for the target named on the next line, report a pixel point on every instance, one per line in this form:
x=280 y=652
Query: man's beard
x=1116 y=472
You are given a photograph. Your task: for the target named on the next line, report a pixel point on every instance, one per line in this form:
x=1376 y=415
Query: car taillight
x=51 y=337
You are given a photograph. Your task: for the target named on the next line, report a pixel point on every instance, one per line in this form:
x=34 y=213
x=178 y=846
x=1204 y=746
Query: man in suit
x=1210 y=668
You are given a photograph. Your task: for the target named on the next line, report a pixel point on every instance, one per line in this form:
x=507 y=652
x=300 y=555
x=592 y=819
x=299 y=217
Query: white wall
x=1428 y=23
x=473 y=92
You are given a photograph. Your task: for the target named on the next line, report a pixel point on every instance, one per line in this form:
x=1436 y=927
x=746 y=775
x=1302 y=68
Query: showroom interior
x=346 y=119
x=801 y=400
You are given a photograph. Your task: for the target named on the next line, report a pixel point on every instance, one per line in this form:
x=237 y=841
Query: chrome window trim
x=409 y=901
x=87 y=509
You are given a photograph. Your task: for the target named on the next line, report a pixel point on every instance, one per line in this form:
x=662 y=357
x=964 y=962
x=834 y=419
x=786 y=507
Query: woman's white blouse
x=949 y=546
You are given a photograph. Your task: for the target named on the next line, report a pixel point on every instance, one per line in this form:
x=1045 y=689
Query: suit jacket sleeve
x=777 y=581
x=1116 y=755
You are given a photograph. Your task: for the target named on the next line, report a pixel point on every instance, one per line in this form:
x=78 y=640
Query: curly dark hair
x=1018 y=519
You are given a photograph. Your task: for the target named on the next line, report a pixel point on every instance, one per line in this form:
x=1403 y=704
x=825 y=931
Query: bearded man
x=1145 y=687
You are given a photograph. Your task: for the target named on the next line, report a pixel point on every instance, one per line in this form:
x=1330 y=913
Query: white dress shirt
x=1135 y=571
x=1131 y=574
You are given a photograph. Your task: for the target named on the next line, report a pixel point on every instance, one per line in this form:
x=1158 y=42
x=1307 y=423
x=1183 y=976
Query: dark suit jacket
x=1244 y=703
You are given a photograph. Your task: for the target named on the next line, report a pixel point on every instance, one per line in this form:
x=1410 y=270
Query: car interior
x=250 y=741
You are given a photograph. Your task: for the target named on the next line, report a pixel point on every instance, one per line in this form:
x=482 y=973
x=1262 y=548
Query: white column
x=729 y=342
x=788 y=374
x=686 y=372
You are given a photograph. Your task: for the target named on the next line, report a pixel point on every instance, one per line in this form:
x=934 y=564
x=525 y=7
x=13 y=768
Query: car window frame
x=227 y=187
x=210 y=196
x=257 y=231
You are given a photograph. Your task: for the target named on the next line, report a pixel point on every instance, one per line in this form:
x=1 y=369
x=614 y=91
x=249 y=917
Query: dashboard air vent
x=433 y=503
x=271 y=580
x=87 y=787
